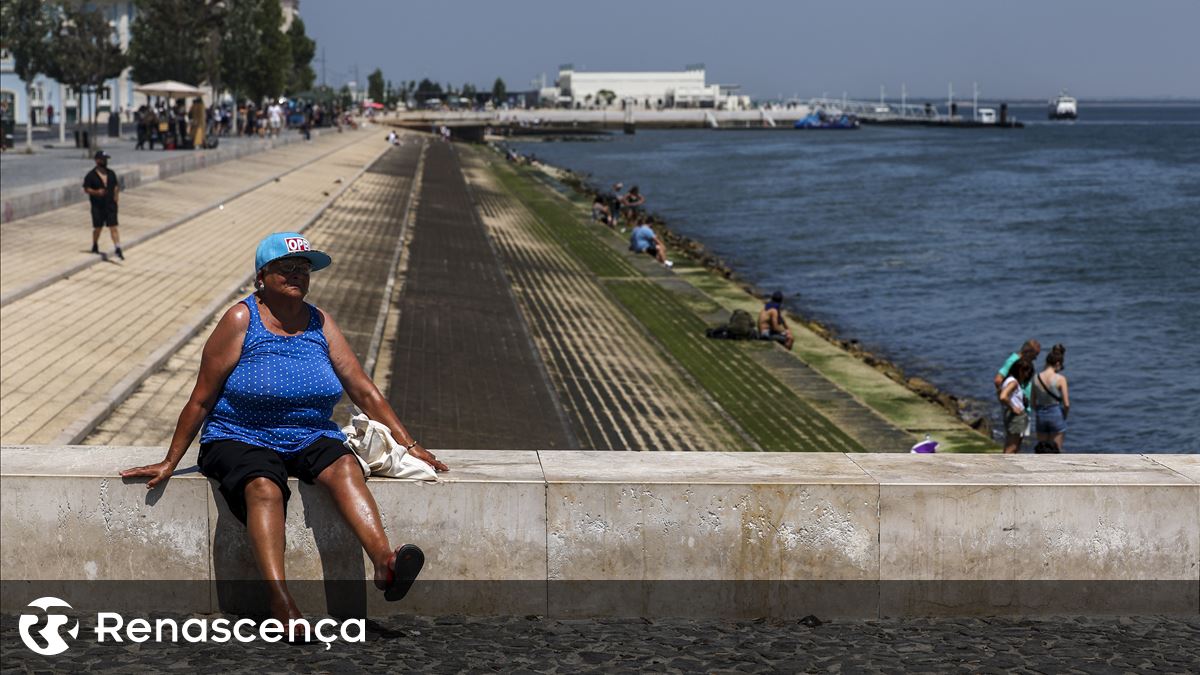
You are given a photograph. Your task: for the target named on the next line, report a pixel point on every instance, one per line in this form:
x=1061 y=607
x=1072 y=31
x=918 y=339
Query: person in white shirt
x=1016 y=405
x=275 y=114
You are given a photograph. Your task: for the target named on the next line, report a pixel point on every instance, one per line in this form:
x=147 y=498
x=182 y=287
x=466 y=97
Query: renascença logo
x=55 y=644
x=111 y=625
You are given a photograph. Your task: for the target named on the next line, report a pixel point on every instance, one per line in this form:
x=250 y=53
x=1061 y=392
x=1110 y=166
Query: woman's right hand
x=157 y=473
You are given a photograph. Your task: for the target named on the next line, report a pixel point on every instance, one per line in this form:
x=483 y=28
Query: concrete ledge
x=580 y=534
x=31 y=200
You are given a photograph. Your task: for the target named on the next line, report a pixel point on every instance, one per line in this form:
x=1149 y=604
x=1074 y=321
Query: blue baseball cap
x=288 y=245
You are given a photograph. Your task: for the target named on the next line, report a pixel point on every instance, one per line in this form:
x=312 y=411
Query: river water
x=944 y=249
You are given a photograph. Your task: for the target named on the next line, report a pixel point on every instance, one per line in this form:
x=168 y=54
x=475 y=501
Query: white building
x=667 y=89
x=116 y=94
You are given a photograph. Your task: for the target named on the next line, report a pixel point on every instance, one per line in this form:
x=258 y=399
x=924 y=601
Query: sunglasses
x=292 y=267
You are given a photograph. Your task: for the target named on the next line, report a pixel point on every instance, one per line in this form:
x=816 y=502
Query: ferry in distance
x=1063 y=107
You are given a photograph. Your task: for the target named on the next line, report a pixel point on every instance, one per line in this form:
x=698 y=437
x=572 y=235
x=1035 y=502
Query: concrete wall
x=28 y=201
x=577 y=534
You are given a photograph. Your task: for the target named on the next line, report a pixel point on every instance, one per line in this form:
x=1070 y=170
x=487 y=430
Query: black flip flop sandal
x=407 y=562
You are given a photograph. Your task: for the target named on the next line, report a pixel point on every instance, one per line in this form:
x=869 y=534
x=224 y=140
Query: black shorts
x=104 y=216
x=652 y=249
x=233 y=463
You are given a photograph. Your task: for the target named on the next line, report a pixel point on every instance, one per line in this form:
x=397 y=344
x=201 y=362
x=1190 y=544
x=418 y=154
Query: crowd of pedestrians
x=178 y=126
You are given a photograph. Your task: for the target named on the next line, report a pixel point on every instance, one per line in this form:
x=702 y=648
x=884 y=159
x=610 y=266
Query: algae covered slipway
x=580 y=287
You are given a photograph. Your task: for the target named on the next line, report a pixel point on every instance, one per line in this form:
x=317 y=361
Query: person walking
x=1016 y=404
x=104 y=191
x=1051 y=402
x=270 y=375
x=139 y=118
x=275 y=115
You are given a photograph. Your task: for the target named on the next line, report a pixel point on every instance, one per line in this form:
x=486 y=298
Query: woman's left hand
x=427 y=457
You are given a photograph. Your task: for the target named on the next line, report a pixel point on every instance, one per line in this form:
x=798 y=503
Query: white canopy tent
x=168 y=88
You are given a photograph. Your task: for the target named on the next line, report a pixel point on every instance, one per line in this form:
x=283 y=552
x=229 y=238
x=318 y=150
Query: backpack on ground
x=741 y=326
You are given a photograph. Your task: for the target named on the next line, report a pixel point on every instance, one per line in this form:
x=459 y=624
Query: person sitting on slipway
x=772 y=325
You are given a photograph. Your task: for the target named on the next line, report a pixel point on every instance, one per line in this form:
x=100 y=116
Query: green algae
x=723 y=367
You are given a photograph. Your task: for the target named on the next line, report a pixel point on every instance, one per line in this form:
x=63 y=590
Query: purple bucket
x=925 y=447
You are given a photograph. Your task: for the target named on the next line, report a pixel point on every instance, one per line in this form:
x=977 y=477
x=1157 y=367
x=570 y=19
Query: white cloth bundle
x=379 y=454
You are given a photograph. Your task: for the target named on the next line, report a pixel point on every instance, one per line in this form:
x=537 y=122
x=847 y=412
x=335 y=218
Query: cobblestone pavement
x=517 y=645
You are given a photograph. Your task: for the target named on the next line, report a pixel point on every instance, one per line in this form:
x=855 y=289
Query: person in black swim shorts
x=104 y=191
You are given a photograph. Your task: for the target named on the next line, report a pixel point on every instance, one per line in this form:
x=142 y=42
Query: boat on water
x=1063 y=107
x=821 y=120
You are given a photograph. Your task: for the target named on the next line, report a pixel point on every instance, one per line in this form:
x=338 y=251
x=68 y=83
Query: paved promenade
x=48 y=164
x=362 y=231
x=72 y=350
x=50 y=245
x=534 y=645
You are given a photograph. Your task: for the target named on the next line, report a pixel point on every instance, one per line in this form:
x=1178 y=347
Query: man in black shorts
x=105 y=193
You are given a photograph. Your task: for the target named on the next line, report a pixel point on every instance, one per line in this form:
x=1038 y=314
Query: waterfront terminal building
x=648 y=90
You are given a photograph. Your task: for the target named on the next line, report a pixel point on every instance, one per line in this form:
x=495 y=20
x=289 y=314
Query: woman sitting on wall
x=270 y=376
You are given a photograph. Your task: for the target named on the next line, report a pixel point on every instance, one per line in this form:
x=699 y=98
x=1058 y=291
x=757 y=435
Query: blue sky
x=1012 y=48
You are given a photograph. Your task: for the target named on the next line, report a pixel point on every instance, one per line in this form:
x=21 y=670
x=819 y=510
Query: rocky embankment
x=971 y=411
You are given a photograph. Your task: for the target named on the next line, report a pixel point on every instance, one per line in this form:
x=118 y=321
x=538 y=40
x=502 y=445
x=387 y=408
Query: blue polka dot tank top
x=282 y=392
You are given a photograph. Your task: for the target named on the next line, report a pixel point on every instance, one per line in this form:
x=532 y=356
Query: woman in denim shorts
x=1050 y=399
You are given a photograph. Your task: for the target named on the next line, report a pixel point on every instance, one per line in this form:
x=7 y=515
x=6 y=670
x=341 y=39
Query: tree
x=211 y=26
x=392 y=94
x=426 y=90
x=164 y=43
x=608 y=95
x=375 y=85
x=300 y=75
x=84 y=53
x=255 y=54
x=499 y=91
x=25 y=25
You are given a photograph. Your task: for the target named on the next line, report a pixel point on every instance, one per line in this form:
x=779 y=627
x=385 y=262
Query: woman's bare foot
x=283 y=606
